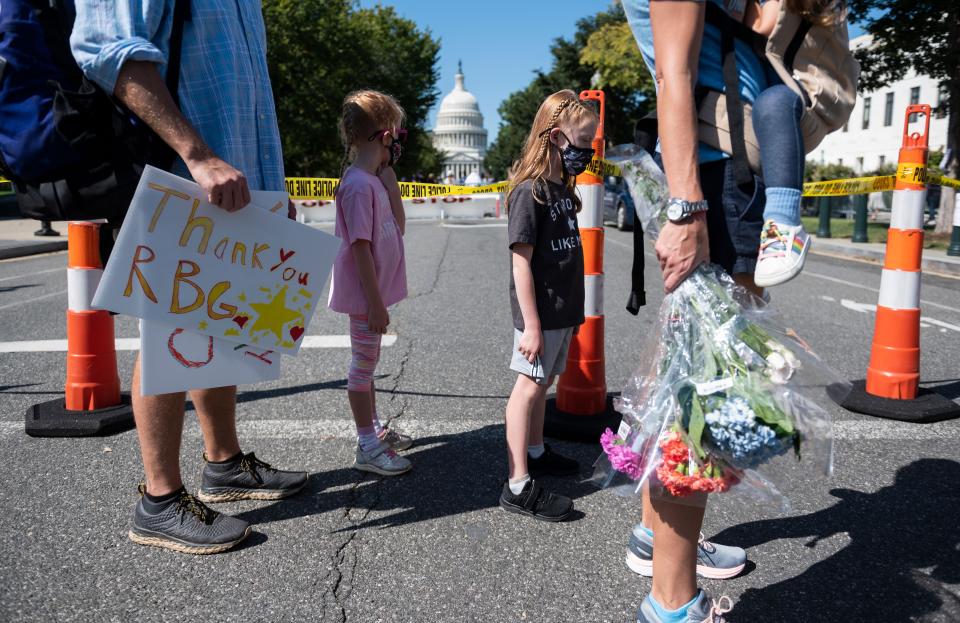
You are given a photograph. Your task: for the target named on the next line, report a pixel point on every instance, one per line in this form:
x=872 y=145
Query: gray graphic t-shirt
x=557 y=263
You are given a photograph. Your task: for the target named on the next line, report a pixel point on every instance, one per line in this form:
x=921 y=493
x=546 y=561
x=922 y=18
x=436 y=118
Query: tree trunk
x=947 y=201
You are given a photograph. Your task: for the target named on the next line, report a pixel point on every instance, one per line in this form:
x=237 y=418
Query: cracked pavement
x=432 y=546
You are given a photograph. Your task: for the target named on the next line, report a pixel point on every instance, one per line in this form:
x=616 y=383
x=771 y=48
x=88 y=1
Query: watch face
x=674 y=211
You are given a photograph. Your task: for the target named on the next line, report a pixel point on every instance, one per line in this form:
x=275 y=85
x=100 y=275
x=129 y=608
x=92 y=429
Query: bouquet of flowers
x=724 y=390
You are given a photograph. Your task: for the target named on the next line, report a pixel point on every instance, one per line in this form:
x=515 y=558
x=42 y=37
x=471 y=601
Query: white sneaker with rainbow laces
x=783 y=250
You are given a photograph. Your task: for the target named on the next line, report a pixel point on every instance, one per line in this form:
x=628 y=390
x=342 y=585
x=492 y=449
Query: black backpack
x=71 y=151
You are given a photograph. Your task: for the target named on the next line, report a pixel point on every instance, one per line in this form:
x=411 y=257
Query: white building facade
x=874 y=133
x=460 y=134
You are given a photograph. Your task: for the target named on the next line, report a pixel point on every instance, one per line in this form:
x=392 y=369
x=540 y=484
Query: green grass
x=876 y=232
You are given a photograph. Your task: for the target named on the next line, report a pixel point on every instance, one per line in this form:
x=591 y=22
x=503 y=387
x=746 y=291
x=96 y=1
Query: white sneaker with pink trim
x=381 y=460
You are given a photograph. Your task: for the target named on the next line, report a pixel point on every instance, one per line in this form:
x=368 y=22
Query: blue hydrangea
x=742 y=439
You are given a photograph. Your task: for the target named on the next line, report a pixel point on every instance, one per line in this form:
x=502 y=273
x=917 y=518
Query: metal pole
x=860 y=218
x=823 y=231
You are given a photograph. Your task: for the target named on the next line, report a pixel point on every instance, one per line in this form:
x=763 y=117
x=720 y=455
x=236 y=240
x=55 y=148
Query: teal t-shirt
x=752 y=70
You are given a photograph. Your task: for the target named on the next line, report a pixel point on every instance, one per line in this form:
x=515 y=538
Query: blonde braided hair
x=364 y=112
x=535 y=158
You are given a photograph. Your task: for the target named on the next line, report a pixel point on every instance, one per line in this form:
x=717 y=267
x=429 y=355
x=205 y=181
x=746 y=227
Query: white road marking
x=343 y=429
x=34 y=299
x=925 y=321
x=133 y=343
x=852 y=284
x=34 y=274
x=828 y=298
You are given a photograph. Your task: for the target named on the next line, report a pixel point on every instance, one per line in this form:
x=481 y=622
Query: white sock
x=536 y=451
x=377 y=426
x=517 y=484
x=368 y=441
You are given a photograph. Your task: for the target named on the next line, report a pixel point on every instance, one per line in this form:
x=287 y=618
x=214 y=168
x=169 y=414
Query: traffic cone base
x=926 y=408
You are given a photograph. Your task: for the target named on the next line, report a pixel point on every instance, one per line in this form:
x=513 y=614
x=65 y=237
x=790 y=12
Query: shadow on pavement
x=904 y=546
x=452 y=474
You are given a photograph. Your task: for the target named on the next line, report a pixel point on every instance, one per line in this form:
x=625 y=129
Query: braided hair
x=364 y=112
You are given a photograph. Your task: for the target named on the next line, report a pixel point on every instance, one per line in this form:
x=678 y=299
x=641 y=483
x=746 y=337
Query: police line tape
x=322 y=188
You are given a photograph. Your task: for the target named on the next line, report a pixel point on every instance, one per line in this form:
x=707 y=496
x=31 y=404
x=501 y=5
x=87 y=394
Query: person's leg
x=217 y=413
x=159 y=422
x=538 y=415
x=776 y=120
x=676 y=534
x=524 y=397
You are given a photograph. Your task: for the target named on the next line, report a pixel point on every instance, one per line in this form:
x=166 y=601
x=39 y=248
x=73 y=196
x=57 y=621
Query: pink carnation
x=621 y=456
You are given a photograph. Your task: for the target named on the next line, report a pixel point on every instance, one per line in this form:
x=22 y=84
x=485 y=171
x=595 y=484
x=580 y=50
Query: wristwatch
x=680 y=209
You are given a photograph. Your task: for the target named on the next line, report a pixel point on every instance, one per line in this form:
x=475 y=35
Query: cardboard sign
x=175 y=360
x=246 y=277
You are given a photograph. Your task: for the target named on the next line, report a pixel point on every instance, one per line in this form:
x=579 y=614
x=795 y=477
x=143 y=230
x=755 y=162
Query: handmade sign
x=247 y=276
x=175 y=360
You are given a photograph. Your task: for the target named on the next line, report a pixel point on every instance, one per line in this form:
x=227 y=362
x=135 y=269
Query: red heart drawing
x=240 y=320
x=296 y=332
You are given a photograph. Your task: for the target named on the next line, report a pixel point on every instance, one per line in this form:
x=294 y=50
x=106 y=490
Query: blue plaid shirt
x=224 y=87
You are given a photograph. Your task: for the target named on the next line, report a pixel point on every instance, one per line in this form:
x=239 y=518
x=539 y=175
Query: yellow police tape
x=321 y=188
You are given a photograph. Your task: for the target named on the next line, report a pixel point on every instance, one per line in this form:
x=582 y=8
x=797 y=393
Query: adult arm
x=112 y=42
x=677 y=32
x=389 y=178
x=377 y=317
x=531 y=342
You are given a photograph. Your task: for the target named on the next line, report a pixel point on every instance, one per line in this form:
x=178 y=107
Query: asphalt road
x=879 y=541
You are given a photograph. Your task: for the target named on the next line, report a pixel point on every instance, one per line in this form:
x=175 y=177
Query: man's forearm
x=678 y=137
x=141 y=89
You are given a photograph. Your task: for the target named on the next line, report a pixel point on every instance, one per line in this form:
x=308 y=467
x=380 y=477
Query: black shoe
x=184 y=524
x=247 y=478
x=552 y=464
x=535 y=502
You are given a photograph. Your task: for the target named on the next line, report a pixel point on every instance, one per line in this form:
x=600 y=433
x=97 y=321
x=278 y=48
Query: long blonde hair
x=364 y=112
x=534 y=160
x=819 y=12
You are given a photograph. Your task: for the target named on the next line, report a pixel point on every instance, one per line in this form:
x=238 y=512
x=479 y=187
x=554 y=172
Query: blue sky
x=501 y=43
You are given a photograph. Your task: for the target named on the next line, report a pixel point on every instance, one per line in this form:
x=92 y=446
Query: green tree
x=320 y=50
x=569 y=71
x=922 y=36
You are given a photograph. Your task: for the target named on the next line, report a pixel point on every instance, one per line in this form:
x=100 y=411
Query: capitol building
x=460 y=135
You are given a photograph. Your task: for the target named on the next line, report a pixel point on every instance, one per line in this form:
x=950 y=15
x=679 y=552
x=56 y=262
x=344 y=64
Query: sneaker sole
x=237 y=495
x=184 y=548
x=781 y=278
x=519 y=510
x=373 y=469
x=645 y=568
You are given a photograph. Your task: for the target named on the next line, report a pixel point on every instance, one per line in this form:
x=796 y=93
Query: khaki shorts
x=553 y=361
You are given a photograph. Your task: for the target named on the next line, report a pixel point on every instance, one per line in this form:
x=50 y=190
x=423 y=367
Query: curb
x=32 y=248
x=822 y=246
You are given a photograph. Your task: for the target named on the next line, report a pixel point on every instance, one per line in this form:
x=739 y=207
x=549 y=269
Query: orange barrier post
x=582 y=408
x=92 y=403
x=891 y=389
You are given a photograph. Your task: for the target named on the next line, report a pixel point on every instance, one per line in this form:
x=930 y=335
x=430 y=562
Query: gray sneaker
x=397 y=441
x=247 y=478
x=381 y=460
x=186 y=525
x=716 y=562
x=701 y=611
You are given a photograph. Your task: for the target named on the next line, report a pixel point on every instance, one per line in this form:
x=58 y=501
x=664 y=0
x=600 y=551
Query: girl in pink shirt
x=369 y=274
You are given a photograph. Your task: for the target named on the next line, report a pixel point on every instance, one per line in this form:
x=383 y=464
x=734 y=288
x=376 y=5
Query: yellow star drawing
x=202 y=325
x=274 y=315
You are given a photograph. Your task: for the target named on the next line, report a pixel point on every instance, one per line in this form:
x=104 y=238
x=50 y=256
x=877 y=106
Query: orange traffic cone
x=582 y=409
x=92 y=403
x=891 y=389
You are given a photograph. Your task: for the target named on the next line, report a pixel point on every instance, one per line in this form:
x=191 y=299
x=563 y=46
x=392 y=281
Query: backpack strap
x=181 y=15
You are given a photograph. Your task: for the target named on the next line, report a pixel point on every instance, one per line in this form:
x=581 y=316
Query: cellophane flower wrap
x=725 y=398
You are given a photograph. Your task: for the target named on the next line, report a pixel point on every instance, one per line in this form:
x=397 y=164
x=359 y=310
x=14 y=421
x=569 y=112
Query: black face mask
x=575 y=159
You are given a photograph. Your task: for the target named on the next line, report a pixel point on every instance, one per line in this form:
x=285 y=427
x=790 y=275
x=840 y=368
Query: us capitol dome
x=459 y=133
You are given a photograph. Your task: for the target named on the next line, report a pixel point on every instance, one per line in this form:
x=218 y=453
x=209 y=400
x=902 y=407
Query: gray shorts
x=553 y=361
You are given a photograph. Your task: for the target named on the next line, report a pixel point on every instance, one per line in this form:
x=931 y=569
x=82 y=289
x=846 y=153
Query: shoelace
x=773 y=238
x=192 y=505
x=251 y=464
x=719 y=608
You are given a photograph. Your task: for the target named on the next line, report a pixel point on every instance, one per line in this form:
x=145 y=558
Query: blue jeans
x=776 y=121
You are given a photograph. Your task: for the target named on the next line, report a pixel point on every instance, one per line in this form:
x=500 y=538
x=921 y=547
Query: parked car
x=617 y=203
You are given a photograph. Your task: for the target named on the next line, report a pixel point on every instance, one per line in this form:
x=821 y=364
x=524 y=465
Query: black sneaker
x=247 y=478
x=552 y=464
x=535 y=502
x=184 y=524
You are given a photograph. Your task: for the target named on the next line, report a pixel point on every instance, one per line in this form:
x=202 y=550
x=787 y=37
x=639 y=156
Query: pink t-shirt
x=363 y=213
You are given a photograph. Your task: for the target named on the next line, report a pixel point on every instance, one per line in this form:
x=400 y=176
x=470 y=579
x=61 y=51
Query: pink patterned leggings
x=365 y=345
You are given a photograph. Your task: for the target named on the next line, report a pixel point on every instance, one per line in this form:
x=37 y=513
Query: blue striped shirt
x=224 y=88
